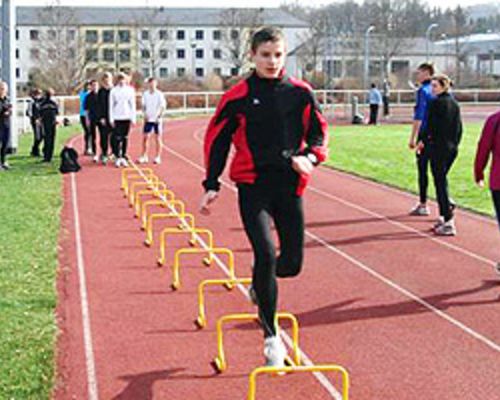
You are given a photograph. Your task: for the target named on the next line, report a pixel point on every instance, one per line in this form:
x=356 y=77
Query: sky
x=209 y=3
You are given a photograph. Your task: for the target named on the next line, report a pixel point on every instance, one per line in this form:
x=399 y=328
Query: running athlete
x=279 y=135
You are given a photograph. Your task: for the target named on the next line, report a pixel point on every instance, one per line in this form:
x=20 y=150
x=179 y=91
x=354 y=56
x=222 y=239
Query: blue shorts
x=152 y=127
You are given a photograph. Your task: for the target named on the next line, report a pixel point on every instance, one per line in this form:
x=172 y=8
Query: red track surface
x=410 y=316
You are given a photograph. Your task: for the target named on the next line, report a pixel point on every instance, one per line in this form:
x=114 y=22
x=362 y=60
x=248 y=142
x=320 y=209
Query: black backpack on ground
x=69 y=160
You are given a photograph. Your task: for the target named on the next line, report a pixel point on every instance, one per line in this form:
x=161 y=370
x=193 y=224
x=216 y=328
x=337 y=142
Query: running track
x=410 y=316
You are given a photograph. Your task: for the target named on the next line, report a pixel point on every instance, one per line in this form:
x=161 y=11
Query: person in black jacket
x=279 y=135
x=49 y=111
x=92 y=114
x=444 y=132
x=33 y=112
x=103 y=115
x=5 y=115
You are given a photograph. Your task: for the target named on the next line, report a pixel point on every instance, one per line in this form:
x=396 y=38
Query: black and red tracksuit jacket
x=268 y=121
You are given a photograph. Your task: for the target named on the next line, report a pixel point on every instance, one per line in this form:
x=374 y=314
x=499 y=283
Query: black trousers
x=385 y=100
x=83 y=123
x=49 y=131
x=37 y=138
x=4 y=142
x=441 y=163
x=496 y=202
x=104 y=137
x=92 y=136
x=119 y=138
x=272 y=198
x=423 y=161
x=373 y=113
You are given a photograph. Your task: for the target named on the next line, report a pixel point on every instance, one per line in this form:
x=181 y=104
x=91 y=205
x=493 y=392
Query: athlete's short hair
x=427 y=66
x=264 y=35
x=151 y=79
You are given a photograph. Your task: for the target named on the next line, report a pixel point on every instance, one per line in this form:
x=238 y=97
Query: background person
x=49 y=110
x=386 y=96
x=5 y=116
x=103 y=115
x=375 y=99
x=92 y=113
x=33 y=113
x=82 y=94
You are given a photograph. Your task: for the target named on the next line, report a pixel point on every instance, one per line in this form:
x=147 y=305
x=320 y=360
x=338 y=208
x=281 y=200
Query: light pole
x=427 y=39
x=444 y=38
x=8 y=64
x=366 y=71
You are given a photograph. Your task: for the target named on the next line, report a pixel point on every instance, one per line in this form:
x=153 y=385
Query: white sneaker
x=275 y=352
x=143 y=160
x=446 y=229
x=420 y=210
x=95 y=159
x=157 y=160
x=124 y=162
x=118 y=162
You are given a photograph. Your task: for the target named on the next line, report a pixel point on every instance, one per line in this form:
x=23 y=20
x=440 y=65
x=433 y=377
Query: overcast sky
x=208 y=3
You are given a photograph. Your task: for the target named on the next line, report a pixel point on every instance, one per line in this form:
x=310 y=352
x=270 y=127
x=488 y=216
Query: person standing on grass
x=83 y=117
x=49 y=110
x=153 y=106
x=489 y=146
x=5 y=116
x=424 y=95
x=103 y=115
x=279 y=135
x=33 y=113
x=92 y=112
x=442 y=138
x=122 y=114
x=386 y=95
x=375 y=99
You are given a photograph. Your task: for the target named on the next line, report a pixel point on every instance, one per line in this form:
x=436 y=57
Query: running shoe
x=124 y=162
x=420 y=211
x=157 y=160
x=5 y=166
x=104 y=160
x=118 y=162
x=143 y=160
x=95 y=159
x=446 y=229
x=439 y=222
x=274 y=352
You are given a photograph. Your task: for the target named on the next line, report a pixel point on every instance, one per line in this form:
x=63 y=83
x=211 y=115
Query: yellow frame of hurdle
x=201 y=321
x=168 y=194
x=176 y=281
x=149 y=226
x=132 y=171
x=252 y=384
x=136 y=179
x=192 y=242
x=220 y=362
x=154 y=183
x=163 y=203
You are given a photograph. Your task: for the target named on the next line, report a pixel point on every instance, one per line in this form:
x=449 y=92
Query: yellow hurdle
x=176 y=281
x=135 y=178
x=252 y=384
x=220 y=362
x=127 y=172
x=155 y=216
x=174 y=204
x=152 y=183
x=192 y=242
x=201 y=321
x=168 y=195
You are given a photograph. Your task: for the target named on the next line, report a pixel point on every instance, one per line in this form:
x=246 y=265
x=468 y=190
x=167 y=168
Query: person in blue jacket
x=375 y=100
x=82 y=94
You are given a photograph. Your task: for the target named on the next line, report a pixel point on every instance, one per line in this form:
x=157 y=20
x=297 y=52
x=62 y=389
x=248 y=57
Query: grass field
x=30 y=204
x=381 y=154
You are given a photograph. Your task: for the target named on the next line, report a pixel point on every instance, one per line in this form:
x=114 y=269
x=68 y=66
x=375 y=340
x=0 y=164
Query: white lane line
x=323 y=380
x=488 y=342
x=87 y=332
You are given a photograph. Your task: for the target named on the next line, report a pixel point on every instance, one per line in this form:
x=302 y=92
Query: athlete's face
x=269 y=59
x=3 y=89
x=436 y=87
x=152 y=85
x=423 y=75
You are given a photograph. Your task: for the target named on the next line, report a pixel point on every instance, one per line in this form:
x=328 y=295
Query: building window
x=108 y=36
x=181 y=35
x=235 y=71
x=163 y=34
x=17 y=53
x=181 y=53
x=108 y=55
x=216 y=35
x=91 y=36
x=199 y=34
x=181 y=72
x=200 y=53
x=52 y=34
x=124 y=36
x=124 y=55
x=398 y=67
x=145 y=72
x=34 y=34
x=145 y=35
x=200 y=72
x=90 y=55
x=163 y=54
x=18 y=73
x=35 y=54
x=218 y=71
x=235 y=34
x=71 y=34
x=217 y=54
x=145 y=54
x=17 y=34
x=163 y=72
x=333 y=68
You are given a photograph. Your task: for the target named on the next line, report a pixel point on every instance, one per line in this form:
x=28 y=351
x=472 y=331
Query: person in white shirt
x=122 y=114
x=153 y=105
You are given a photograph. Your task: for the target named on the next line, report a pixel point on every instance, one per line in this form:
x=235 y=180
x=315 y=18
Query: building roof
x=155 y=16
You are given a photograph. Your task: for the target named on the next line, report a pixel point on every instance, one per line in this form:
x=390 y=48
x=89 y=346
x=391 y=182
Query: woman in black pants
x=279 y=135
x=444 y=131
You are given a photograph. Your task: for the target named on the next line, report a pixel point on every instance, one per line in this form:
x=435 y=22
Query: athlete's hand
x=111 y=124
x=207 y=199
x=480 y=183
x=103 y=121
x=302 y=165
x=420 y=147
x=412 y=145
